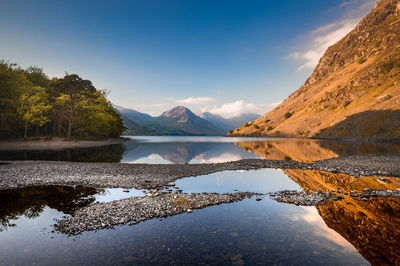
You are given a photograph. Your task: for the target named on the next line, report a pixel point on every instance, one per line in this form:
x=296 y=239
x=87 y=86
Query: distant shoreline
x=53 y=144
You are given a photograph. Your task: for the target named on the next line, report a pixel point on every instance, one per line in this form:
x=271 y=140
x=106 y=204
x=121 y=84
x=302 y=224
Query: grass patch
x=182 y=202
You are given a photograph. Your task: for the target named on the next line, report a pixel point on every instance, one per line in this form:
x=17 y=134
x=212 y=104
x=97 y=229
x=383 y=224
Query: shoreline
x=17 y=174
x=54 y=144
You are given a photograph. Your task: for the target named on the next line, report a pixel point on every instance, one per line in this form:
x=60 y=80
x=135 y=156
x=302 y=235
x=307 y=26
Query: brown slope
x=354 y=91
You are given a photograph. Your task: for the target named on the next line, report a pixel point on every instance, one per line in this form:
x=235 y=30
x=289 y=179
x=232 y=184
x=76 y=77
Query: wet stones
x=155 y=176
x=300 y=197
x=137 y=209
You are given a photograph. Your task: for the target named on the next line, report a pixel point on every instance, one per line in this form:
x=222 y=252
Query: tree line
x=32 y=104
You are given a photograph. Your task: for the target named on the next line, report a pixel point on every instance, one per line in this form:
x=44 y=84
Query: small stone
x=258 y=199
x=189 y=210
x=340 y=197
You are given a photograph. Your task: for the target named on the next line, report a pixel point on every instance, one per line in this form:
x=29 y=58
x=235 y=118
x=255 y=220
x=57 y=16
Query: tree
x=37 y=77
x=34 y=108
x=28 y=97
x=12 y=84
x=73 y=91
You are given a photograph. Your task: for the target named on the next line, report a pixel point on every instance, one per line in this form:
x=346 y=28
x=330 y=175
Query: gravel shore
x=15 y=174
x=137 y=209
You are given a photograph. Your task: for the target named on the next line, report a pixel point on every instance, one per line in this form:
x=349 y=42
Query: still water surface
x=249 y=232
x=179 y=150
x=244 y=232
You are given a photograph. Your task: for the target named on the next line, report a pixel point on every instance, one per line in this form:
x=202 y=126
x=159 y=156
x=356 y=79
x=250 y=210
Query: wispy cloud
x=196 y=100
x=236 y=108
x=328 y=34
x=152 y=105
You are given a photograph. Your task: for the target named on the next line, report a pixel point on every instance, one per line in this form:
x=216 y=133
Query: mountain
x=130 y=113
x=353 y=92
x=228 y=124
x=132 y=120
x=177 y=121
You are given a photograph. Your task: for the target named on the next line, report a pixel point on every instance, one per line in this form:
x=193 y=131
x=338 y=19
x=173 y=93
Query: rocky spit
x=301 y=198
x=137 y=209
x=15 y=174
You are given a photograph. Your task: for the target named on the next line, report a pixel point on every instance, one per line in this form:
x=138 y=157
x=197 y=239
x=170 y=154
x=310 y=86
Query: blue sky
x=227 y=57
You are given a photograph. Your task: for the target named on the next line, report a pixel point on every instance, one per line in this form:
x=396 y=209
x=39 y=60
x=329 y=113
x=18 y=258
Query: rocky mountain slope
x=354 y=91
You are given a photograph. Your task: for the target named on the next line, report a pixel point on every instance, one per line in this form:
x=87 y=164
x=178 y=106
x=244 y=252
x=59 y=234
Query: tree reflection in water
x=30 y=202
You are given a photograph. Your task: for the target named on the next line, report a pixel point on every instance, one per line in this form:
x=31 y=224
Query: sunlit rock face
x=372 y=226
x=353 y=92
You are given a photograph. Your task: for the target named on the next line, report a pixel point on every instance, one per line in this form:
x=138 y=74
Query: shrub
x=386 y=66
x=287 y=158
x=361 y=60
x=256 y=127
x=345 y=103
x=287 y=115
x=270 y=128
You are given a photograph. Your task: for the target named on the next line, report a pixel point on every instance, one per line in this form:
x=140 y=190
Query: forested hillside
x=32 y=104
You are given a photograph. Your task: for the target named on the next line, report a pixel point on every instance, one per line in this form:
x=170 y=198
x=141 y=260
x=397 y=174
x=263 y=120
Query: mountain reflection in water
x=371 y=226
x=180 y=150
x=213 y=150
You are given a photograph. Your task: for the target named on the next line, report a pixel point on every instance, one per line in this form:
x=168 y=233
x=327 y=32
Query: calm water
x=243 y=232
x=179 y=150
x=249 y=232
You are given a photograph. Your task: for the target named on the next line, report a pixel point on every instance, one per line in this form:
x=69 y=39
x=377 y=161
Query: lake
x=179 y=150
x=350 y=231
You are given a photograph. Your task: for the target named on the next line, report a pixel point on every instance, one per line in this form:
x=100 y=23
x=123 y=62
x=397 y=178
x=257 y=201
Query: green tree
x=12 y=84
x=34 y=108
x=73 y=91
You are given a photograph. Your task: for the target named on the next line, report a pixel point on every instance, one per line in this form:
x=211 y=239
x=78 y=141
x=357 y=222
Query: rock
x=340 y=197
x=137 y=209
x=258 y=199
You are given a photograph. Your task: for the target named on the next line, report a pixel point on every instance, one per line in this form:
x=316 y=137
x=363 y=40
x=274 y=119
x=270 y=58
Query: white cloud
x=152 y=105
x=239 y=107
x=196 y=100
x=328 y=34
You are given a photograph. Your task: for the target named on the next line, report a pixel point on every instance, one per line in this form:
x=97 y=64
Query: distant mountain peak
x=180 y=113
